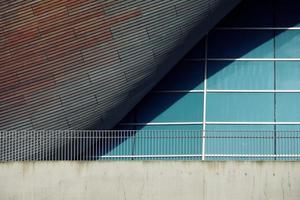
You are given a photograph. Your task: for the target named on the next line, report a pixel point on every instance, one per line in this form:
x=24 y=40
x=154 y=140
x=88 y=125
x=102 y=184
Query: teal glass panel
x=169 y=141
x=239 y=140
x=171 y=107
x=287 y=13
x=242 y=15
x=242 y=128
x=123 y=145
x=287 y=44
x=243 y=107
x=239 y=75
x=288 y=141
x=170 y=127
x=157 y=140
x=287 y=75
x=240 y=44
x=284 y=128
x=177 y=78
x=288 y=107
x=198 y=51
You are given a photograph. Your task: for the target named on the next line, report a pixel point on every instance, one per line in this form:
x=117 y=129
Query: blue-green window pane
x=242 y=15
x=284 y=128
x=125 y=147
x=157 y=140
x=287 y=107
x=188 y=75
x=171 y=107
x=198 y=51
x=117 y=144
x=169 y=140
x=239 y=139
x=287 y=13
x=240 y=107
x=240 y=44
x=287 y=75
x=288 y=141
x=170 y=127
x=122 y=143
x=238 y=75
x=287 y=44
x=227 y=128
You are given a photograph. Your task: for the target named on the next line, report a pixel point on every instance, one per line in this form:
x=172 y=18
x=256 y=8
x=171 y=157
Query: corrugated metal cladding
x=81 y=64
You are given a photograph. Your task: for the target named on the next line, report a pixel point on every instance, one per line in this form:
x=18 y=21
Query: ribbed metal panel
x=70 y=64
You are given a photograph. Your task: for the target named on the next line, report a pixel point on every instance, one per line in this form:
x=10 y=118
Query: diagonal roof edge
x=85 y=64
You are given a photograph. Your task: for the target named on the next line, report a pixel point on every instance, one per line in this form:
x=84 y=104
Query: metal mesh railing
x=158 y=144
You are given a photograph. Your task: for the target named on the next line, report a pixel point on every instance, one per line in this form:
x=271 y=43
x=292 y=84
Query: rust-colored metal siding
x=82 y=64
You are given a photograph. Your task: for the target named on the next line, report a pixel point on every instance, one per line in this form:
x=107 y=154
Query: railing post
x=133 y=144
x=204 y=98
x=203 y=144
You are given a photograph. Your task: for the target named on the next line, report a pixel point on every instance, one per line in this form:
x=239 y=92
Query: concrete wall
x=151 y=180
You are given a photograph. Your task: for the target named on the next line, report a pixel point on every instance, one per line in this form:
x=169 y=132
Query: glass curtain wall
x=243 y=76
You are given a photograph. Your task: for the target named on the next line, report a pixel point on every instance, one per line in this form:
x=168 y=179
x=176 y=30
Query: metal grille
x=156 y=144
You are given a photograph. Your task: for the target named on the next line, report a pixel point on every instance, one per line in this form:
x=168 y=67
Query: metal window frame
x=209 y=123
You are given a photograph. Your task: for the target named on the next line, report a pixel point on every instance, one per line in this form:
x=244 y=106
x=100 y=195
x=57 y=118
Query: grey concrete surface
x=150 y=180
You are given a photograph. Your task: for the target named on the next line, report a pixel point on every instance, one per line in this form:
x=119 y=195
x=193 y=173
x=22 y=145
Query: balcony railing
x=156 y=144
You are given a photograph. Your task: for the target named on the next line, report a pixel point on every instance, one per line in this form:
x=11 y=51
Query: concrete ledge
x=151 y=180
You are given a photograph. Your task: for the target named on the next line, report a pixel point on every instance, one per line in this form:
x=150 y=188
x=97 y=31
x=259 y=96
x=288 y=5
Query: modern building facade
x=85 y=64
x=82 y=65
x=242 y=80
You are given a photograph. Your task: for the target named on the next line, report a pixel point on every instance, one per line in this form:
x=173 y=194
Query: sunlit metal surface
x=85 y=64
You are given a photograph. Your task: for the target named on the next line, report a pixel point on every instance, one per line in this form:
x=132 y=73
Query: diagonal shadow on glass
x=222 y=43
